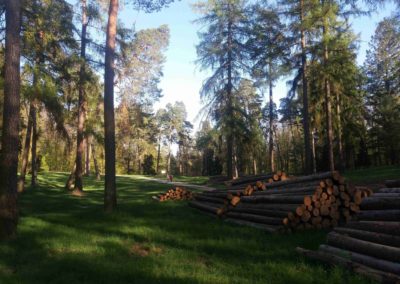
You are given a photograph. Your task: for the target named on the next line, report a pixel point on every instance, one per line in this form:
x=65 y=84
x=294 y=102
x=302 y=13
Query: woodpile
x=267 y=178
x=315 y=201
x=178 y=193
x=369 y=245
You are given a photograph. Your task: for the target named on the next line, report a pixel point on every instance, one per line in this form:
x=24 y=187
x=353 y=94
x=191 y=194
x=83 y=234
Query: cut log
x=379 y=215
x=378 y=202
x=216 y=200
x=255 y=218
x=379 y=238
x=389 y=190
x=262 y=212
x=235 y=200
x=380 y=276
x=393 y=183
x=364 y=247
x=267 y=228
x=373 y=262
x=212 y=208
x=302 y=179
x=296 y=199
x=265 y=206
x=295 y=190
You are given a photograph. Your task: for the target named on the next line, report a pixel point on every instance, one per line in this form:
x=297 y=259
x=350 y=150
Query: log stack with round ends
x=369 y=245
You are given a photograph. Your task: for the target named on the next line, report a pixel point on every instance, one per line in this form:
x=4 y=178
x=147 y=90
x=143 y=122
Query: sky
x=182 y=80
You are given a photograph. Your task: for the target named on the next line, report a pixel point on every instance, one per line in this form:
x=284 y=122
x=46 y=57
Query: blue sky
x=182 y=79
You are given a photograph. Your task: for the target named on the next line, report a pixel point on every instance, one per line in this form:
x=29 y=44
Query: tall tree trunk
x=34 y=168
x=306 y=121
x=96 y=165
x=10 y=135
x=327 y=89
x=271 y=124
x=158 y=155
x=110 y=190
x=342 y=164
x=254 y=166
x=25 y=154
x=81 y=104
x=313 y=152
x=229 y=87
x=88 y=153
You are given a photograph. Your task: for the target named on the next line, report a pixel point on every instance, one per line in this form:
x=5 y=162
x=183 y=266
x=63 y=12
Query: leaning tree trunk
x=25 y=154
x=306 y=121
x=110 y=190
x=10 y=135
x=81 y=104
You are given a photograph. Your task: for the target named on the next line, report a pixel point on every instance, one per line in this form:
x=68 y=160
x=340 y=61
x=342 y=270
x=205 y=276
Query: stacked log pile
x=370 y=245
x=178 y=193
x=267 y=178
x=315 y=201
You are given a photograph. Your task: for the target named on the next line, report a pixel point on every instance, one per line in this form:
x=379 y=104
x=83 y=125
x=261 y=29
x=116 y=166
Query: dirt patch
x=144 y=250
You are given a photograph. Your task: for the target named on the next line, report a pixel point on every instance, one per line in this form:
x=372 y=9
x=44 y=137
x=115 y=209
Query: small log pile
x=314 y=201
x=178 y=193
x=370 y=245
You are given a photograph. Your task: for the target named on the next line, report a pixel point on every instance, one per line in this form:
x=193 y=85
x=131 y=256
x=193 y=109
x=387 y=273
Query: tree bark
x=306 y=117
x=34 y=144
x=391 y=228
x=375 y=237
x=229 y=88
x=10 y=135
x=368 y=248
x=327 y=89
x=271 y=124
x=380 y=203
x=96 y=164
x=158 y=155
x=82 y=104
x=379 y=215
x=110 y=191
x=25 y=154
x=342 y=162
x=392 y=183
x=255 y=218
x=88 y=144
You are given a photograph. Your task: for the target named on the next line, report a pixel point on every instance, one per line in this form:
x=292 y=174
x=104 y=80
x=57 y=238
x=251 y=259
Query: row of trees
x=53 y=94
x=329 y=119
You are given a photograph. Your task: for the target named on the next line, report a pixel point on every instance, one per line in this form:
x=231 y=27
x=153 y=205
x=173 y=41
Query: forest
x=79 y=89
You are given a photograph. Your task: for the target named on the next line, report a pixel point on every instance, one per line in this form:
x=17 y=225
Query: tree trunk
x=158 y=155
x=110 y=191
x=372 y=262
x=96 y=165
x=271 y=124
x=364 y=247
x=255 y=218
x=374 y=237
x=34 y=144
x=10 y=135
x=25 y=155
x=229 y=87
x=71 y=179
x=342 y=163
x=391 y=228
x=306 y=122
x=327 y=90
x=88 y=153
x=81 y=104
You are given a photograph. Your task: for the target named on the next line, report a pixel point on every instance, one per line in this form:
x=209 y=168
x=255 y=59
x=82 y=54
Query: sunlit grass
x=66 y=239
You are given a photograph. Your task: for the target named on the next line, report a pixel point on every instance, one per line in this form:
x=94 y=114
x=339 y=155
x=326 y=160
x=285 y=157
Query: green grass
x=373 y=174
x=199 y=180
x=66 y=239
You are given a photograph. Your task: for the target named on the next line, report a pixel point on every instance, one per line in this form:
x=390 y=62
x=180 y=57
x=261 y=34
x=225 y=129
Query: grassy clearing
x=373 y=174
x=199 y=180
x=64 y=239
